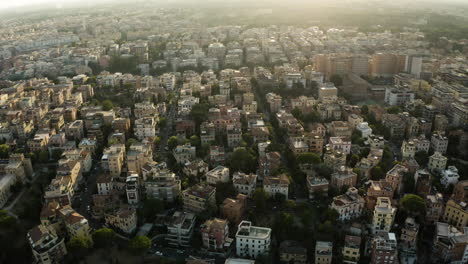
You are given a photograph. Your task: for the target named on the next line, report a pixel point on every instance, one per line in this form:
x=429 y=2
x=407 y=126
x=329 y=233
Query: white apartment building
x=349 y=205
x=244 y=183
x=277 y=184
x=160 y=182
x=218 y=174
x=144 y=128
x=365 y=130
x=450 y=176
x=168 y=81
x=252 y=241
x=184 y=153
x=340 y=144
x=439 y=143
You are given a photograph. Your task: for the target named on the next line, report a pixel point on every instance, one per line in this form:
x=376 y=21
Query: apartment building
x=233 y=209
x=218 y=174
x=349 y=205
x=199 y=198
x=343 y=176
x=351 y=250
x=180 y=229
x=437 y=162
x=138 y=155
x=293 y=252
x=323 y=252
x=395 y=177
x=252 y=241
x=215 y=234
x=184 y=153
x=123 y=218
x=160 y=183
x=145 y=128
x=47 y=247
x=340 y=144
x=276 y=184
x=439 y=143
x=384 y=214
x=244 y=183
x=113 y=159
x=456 y=213
x=384 y=249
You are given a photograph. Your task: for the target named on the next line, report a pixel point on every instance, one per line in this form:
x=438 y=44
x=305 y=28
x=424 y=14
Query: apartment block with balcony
x=323 y=252
x=252 y=241
x=384 y=215
x=218 y=174
x=245 y=183
x=180 y=229
x=351 y=250
x=46 y=246
x=349 y=205
x=215 y=234
x=199 y=198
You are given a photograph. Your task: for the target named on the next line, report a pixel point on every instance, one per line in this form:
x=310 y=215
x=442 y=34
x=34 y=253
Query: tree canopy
x=243 y=160
x=107 y=105
x=308 y=158
x=103 y=237
x=413 y=204
x=139 y=244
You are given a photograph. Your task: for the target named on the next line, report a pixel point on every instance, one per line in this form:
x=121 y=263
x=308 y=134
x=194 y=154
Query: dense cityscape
x=234 y=133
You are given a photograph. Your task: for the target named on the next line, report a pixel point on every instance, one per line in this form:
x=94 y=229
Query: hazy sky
x=4 y=4
x=15 y=3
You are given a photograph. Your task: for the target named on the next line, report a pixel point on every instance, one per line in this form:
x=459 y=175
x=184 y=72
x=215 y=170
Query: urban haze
x=234 y=132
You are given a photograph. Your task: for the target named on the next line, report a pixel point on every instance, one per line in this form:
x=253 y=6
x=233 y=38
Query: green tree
x=394 y=110
x=297 y=113
x=43 y=156
x=56 y=154
x=377 y=173
x=308 y=158
x=353 y=160
x=422 y=158
x=157 y=140
x=7 y=222
x=337 y=80
x=195 y=141
x=162 y=122
x=139 y=244
x=326 y=227
x=260 y=198
x=150 y=208
x=364 y=109
x=107 y=105
x=242 y=160
x=4 y=151
x=199 y=113
x=223 y=191
x=79 y=245
x=413 y=204
x=104 y=237
x=172 y=142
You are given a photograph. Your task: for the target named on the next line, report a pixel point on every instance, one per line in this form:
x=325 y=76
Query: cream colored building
x=124 y=218
x=351 y=249
x=199 y=198
x=437 y=161
x=456 y=214
x=384 y=214
x=46 y=246
x=113 y=159
x=138 y=155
